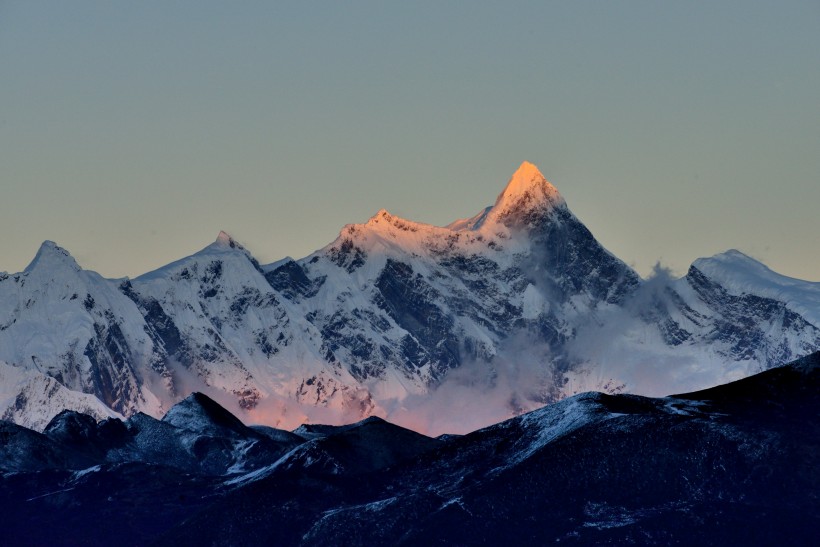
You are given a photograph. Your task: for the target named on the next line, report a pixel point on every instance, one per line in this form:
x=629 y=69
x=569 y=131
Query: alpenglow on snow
x=441 y=329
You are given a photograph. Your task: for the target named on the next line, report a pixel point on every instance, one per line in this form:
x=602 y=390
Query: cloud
x=618 y=349
x=480 y=393
x=624 y=350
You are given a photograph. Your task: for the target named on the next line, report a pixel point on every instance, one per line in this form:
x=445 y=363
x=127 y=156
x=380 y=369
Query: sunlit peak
x=224 y=238
x=527 y=184
x=525 y=177
x=381 y=215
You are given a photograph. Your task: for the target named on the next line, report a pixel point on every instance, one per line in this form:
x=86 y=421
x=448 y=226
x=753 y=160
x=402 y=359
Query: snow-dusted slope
x=76 y=327
x=727 y=318
x=226 y=327
x=436 y=328
x=739 y=274
x=402 y=304
x=31 y=398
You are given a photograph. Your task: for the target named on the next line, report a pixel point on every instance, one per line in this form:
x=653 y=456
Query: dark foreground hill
x=732 y=464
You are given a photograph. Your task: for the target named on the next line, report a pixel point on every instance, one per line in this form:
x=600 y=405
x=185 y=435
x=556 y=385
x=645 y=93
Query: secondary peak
x=224 y=243
x=224 y=239
x=51 y=255
x=382 y=215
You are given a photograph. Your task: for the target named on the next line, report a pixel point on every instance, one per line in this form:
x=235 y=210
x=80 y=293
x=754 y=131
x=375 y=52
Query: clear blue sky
x=132 y=132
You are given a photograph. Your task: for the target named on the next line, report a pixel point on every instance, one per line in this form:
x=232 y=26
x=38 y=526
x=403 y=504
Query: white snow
x=554 y=421
x=32 y=399
x=223 y=307
x=741 y=274
x=83 y=472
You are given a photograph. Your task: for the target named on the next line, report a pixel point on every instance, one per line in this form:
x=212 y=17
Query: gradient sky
x=131 y=133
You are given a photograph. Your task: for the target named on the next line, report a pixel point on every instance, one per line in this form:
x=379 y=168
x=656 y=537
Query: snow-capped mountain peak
x=740 y=274
x=527 y=197
x=52 y=257
x=381 y=216
x=526 y=178
x=526 y=191
x=736 y=261
x=224 y=246
x=224 y=242
x=383 y=220
x=224 y=239
x=393 y=316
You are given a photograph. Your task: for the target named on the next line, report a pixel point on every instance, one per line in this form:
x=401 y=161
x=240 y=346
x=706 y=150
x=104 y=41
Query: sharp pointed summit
x=526 y=197
x=382 y=214
x=225 y=239
x=386 y=315
x=525 y=178
x=52 y=256
x=224 y=242
x=526 y=192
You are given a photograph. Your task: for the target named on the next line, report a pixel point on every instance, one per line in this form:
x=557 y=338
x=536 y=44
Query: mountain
x=440 y=329
x=731 y=464
x=71 y=333
x=195 y=436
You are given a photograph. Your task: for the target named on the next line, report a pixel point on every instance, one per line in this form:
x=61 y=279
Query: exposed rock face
x=514 y=307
